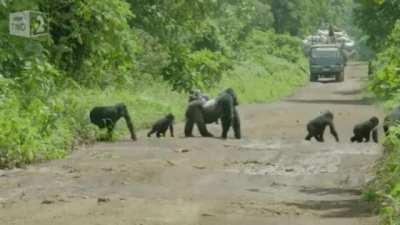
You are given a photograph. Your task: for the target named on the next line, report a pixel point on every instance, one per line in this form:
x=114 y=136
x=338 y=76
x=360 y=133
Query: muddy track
x=271 y=176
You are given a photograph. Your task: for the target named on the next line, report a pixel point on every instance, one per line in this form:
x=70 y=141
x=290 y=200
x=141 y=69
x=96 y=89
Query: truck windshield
x=324 y=53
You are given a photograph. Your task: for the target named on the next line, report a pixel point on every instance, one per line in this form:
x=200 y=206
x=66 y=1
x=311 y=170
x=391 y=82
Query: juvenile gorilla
x=363 y=130
x=316 y=127
x=391 y=120
x=223 y=107
x=161 y=126
x=107 y=117
x=197 y=95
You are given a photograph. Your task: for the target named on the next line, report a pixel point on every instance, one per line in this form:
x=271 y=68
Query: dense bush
x=385 y=189
x=377 y=19
x=386 y=81
x=380 y=22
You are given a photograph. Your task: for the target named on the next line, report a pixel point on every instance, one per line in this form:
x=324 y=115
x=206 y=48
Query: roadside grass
x=384 y=190
x=255 y=83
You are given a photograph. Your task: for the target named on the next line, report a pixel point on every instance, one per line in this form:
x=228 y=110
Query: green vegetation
x=379 y=20
x=146 y=54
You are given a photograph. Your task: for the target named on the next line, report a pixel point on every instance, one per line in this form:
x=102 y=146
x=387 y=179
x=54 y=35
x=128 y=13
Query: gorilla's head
x=232 y=93
x=328 y=114
x=374 y=120
x=170 y=117
x=121 y=109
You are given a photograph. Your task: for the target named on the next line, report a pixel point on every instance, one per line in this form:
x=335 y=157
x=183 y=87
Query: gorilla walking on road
x=223 y=107
x=316 y=127
x=108 y=116
x=363 y=131
x=161 y=126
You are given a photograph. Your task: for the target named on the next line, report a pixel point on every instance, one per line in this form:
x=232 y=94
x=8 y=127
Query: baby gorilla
x=161 y=126
x=197 y=95
x=316 y=127
x=363 y=130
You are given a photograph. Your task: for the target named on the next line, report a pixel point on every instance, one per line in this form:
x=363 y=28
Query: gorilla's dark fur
x=198 y=95
x=107 y=117
x=363 y=131
x=316 y=127
x=223 y=107
x=161 y=126
x=391 y=120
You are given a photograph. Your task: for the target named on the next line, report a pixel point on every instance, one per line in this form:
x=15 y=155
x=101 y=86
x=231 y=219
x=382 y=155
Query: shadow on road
x=331 y=191
x=363 y=101
x=350 y=92
x=327 y=81
x=338 y=208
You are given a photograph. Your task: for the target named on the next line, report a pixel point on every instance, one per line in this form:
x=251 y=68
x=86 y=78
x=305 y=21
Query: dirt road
x=271 y=176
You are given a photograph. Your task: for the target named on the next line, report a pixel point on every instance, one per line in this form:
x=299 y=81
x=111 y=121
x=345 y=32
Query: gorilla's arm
x=130 y=127
x=124 y=112
x=171 y=129
x=236 y=125
x=333 y=130
x=375 y=135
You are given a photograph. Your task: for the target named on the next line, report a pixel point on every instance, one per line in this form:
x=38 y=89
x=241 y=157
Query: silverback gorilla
x=198 y=95
x=316 y=127
x=107 y=117
x=161 y=126
x=363 y=130
x=223 y=107
x=391 y=120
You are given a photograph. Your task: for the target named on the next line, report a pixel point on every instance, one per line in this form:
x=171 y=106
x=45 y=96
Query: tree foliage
x=377 y=19
x=303 y=17
x=386 y=82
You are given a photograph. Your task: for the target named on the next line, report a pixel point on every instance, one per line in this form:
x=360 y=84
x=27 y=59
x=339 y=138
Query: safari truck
x=326 y=60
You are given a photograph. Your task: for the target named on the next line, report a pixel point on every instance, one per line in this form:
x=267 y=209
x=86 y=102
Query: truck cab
x=326 y=61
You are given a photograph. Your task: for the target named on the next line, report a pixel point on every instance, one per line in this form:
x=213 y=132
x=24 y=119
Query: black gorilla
x=107 y=117
x=363 y=130
x=316 y=127
x=391 y=120
x=223 y=107
x=161 y=126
